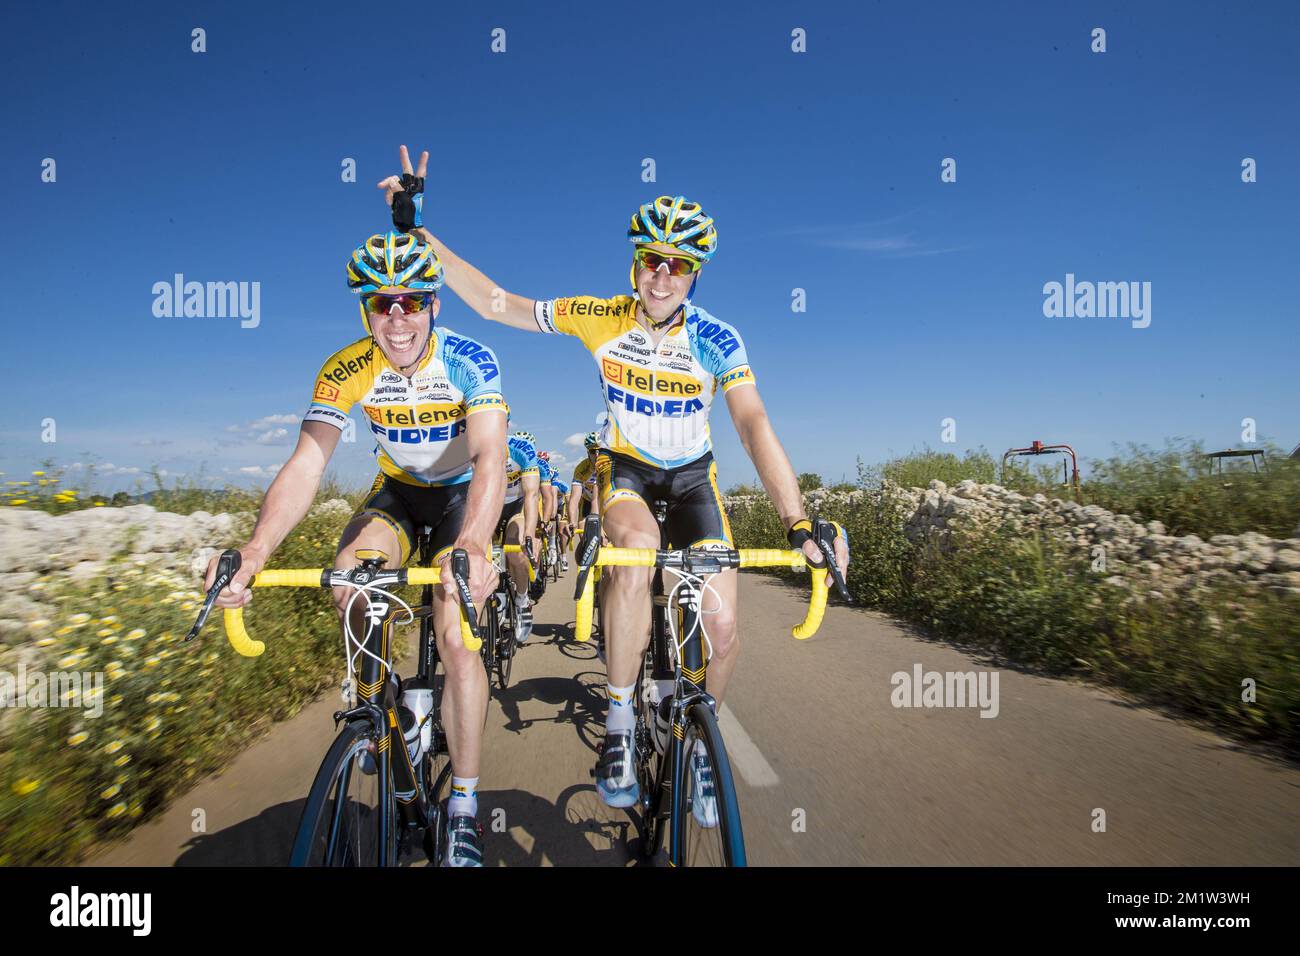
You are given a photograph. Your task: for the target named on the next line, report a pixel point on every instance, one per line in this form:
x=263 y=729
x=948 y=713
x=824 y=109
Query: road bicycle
x=699 y=832
x=384 y=780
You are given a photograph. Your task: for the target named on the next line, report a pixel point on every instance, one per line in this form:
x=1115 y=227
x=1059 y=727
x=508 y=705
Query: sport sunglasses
x=378 y=304
x=677 y=265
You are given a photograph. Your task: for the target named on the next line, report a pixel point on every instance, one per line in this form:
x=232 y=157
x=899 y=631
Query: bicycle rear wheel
x=436 y=777
x=711 y=833
x=341 y=821
x=652 y=816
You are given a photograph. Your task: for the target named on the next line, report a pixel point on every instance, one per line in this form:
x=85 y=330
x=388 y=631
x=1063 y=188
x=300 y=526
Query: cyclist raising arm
x=661 y=360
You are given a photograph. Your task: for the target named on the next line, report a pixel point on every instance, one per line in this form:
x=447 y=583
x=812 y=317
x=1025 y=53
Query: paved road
x=829 y=770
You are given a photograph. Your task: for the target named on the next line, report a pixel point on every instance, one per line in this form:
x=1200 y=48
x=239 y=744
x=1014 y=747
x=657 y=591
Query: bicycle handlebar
x=519 y=549
x=238 y=636
x=744 y=558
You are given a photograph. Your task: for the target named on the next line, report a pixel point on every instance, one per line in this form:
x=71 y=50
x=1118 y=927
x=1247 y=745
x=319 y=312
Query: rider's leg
x=465 y=694
x=366 y=531
x=625 y=594
x=720 y=626
x=696 y=515
x=517 y=561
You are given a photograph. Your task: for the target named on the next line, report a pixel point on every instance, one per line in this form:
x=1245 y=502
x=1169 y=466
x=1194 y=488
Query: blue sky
x=822 y=170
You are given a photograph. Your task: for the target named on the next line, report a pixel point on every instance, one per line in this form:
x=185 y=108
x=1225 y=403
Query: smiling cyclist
x=661 y=360
x=432 y=401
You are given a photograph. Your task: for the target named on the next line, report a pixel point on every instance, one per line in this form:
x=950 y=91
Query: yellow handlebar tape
x=816 y=607
x=519 y=549
x=749 y=558
x=238 y=636
x=582 y=623
x=233 y=618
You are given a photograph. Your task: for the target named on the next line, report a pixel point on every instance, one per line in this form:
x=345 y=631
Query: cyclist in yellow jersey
x=661 y=360
x=432 y=400
x=584 y=482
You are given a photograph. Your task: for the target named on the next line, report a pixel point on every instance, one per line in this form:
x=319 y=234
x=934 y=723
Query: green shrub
x=173 y=711
x=1182 y=489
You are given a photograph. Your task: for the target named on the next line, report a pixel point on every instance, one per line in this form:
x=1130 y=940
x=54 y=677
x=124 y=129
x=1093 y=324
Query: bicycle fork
x=689 y=690
x=393 y=760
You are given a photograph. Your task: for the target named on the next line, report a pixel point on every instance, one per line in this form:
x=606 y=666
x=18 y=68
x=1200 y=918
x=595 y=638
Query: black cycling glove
x=408 y=205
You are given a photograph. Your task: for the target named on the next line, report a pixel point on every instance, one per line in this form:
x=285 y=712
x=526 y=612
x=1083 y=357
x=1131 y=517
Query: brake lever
x=824 y=534
x=590 y=545
x=460 y=572
x=227 y=566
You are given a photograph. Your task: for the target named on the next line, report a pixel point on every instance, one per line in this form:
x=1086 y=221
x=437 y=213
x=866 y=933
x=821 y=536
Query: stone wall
x=1138 y=555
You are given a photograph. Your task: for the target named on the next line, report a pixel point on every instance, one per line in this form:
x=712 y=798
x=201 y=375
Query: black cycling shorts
x=407 y=508
x=695 y=512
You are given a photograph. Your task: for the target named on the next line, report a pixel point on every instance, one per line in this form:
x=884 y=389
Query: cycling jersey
x=658 y=397
x=418 y=422
x=584 y=476
x=521 y=460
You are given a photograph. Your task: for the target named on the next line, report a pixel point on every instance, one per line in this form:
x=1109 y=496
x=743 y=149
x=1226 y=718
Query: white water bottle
x=418 y=699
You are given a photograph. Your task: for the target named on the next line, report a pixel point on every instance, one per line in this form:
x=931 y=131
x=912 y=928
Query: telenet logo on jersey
x=394 y=417
x=326 y=392
x=665 y=384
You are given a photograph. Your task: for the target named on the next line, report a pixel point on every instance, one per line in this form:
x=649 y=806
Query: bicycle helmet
x=390 y=263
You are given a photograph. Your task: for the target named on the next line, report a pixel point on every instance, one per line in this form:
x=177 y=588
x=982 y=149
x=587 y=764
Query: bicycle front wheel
x=350 y=818
x=706 y=813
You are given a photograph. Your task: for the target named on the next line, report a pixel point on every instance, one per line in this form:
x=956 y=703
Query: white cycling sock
x=622 y=715
x=464 y=796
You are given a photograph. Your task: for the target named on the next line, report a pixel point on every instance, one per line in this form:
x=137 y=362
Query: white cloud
x=265 y=426
x=575 y=440
x=104 y=468
x=272 y=436
x=259 y=471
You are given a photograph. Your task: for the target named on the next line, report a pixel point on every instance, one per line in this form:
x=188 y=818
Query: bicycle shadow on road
x=523 y=829
x=263 y=840
x=580 y=701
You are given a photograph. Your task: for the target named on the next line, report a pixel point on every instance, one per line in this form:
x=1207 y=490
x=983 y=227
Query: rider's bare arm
x=286 y=503
x=479 y=292
x=531 y=484
x=765 y=451
x=575 y=503
x=774 y=469
x=291 y=493
x=487 y=434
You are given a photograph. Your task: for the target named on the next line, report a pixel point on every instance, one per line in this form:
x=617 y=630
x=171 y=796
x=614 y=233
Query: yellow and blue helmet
x=677 y=222
x=393 y=262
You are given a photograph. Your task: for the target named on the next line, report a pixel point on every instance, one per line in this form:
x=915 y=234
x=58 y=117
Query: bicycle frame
x=689 y=673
